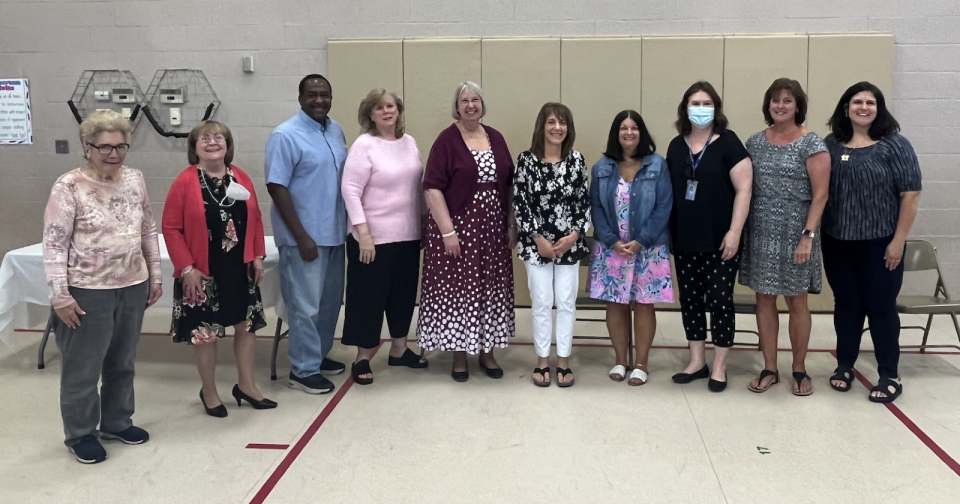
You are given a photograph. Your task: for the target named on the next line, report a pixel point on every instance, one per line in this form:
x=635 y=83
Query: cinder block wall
x=51 y=42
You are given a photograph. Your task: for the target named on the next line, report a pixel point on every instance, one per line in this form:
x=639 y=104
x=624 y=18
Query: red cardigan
x=452 y=169
x=184 y=223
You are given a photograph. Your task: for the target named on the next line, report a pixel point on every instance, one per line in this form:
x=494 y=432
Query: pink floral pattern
x=643 y=278
x=98 y=235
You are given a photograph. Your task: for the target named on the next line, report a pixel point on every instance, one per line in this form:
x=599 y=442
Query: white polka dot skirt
x=466 y=303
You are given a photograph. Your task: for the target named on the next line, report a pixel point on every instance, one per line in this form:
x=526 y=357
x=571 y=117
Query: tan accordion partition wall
x=597 y=78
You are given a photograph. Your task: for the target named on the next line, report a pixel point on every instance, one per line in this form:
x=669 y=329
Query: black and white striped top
x=865 y=187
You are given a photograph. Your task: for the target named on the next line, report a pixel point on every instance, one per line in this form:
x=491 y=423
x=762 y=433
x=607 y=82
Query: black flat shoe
x=495 y=373
x=689 y=377
x=460 y=376
x=264 y=404
x=218 y=411
x=409 y=359
x=717 y=386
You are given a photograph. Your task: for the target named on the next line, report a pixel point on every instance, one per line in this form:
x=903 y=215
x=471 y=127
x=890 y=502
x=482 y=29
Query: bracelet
x=448 y=235
x=157 y=281
x=186 y=270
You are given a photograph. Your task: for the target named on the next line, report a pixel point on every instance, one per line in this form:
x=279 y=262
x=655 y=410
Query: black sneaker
x=313 y=384
x=331 y=367
x=130 y=435
x=89 y=450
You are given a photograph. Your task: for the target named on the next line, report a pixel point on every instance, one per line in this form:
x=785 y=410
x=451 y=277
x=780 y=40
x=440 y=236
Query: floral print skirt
x=229 y=298
x=643 y=278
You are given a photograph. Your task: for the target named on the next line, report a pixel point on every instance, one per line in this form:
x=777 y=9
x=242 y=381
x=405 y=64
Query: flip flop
x=564 y=372
x=799 y=376
x=545 y=372
x=764 y=374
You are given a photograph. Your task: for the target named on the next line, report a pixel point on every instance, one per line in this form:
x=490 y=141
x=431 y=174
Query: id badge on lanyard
x=691 y=192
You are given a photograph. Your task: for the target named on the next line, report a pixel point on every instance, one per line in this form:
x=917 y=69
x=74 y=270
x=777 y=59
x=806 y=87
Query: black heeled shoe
x=264 y=404
x=218 y=411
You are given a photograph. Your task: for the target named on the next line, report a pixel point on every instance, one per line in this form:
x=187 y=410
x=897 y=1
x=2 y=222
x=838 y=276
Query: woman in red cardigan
x=214 y=234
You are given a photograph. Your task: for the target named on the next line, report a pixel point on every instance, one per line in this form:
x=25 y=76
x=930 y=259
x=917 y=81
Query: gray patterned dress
x=778 y=213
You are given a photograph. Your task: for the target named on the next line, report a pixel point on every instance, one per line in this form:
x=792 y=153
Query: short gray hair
x=468 y=86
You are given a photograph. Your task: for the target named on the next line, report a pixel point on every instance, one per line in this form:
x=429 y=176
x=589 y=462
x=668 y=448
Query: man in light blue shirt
x=303 y=167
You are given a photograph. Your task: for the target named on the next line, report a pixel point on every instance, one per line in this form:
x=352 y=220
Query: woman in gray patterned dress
x=781 y=252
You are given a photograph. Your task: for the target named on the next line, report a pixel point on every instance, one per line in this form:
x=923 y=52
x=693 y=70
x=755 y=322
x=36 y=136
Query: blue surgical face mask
x=701 y=117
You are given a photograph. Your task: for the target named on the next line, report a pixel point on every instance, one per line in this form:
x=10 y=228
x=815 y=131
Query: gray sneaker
x=89 y=450
x=313 y=384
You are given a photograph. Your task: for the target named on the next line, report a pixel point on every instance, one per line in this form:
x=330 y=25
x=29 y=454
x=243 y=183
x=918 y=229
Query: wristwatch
x=808 y=233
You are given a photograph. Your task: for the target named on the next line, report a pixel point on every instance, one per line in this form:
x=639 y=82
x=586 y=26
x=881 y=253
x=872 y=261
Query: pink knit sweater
x=382 y=187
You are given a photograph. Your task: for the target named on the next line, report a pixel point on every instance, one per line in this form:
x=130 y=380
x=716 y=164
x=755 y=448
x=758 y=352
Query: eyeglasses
x=106 y=149
x=216 y=138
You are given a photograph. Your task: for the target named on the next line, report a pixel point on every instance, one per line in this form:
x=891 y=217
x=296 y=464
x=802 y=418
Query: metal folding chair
x=922 y=256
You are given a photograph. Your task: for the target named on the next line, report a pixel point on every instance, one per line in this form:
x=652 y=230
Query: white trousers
x=553 y=285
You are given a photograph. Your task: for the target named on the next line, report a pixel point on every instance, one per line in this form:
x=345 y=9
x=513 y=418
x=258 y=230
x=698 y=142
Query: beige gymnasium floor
x=417 y=436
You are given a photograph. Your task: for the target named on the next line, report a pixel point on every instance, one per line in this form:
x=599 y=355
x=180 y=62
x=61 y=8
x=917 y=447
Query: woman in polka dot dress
x=466 y=298
x=630 y=199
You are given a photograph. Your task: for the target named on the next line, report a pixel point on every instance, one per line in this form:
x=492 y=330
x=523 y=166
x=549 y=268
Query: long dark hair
x=615 y=150
x=684 y=127
x=884 y=124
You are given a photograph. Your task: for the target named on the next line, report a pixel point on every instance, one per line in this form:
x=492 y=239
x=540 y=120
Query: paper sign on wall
x=16 y=126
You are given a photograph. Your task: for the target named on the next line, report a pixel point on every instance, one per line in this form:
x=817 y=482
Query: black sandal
x=360 y=368
x=883 y=386
x=763 y=375
x=409 y=359
x=545 y=372
x=564 y=372
x=799 y=376
x=842 y=374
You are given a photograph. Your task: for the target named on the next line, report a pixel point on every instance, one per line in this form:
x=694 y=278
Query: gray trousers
x=104 y=344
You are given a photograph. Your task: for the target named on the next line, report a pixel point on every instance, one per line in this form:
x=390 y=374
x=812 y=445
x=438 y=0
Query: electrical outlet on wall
x=175 y=116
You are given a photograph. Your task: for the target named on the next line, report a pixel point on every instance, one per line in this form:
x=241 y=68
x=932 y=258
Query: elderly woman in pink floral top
x=102 y=260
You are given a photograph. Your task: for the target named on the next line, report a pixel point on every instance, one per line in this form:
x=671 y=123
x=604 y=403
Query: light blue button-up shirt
x=307 y=158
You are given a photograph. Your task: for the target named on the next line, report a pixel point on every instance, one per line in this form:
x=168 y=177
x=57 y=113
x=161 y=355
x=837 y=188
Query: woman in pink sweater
x=382 y=191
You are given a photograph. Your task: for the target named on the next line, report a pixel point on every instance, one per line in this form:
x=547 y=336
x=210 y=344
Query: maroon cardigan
x=452 y=170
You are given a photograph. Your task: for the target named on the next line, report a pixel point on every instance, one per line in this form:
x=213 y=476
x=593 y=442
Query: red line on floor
x=301 y=443
x=267 y=446
x=912 y=427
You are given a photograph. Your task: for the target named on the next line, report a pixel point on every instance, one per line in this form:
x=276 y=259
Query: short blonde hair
x=370 y=103
x=103 y=121
x=209 y=128
x=468 y=86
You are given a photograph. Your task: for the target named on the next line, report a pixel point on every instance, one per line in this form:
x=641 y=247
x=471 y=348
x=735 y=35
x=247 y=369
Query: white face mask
x=237 y=191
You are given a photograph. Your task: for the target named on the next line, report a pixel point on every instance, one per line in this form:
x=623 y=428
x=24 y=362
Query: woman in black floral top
x=552 y=208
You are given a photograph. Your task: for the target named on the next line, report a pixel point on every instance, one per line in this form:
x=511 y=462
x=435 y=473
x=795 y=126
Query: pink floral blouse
x=98 y=235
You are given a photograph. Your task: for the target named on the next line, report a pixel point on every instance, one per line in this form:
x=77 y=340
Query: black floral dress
x=551 y=200
x=231 y=296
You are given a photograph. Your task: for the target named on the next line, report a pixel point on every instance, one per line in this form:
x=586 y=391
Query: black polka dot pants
x=706 y=283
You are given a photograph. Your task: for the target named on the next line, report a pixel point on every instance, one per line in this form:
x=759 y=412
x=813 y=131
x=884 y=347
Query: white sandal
x=638 y=374
x=618 y=370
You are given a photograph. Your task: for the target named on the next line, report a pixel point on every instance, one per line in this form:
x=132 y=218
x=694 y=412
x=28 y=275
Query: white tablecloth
x=25 y=300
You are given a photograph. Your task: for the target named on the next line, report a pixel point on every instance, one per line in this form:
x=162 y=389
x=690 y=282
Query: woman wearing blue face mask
x=712 y=179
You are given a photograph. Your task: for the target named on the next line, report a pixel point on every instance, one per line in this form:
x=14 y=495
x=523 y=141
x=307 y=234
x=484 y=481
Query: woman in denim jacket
x=631 y=198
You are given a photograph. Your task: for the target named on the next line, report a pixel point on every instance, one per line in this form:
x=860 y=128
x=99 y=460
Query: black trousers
x=863 y=287
x=388 y=285
x=706 y=283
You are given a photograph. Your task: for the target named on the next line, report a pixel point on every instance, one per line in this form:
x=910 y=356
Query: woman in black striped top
x=874 y=193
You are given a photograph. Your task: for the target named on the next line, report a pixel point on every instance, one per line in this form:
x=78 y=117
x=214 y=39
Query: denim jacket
x=651 y=200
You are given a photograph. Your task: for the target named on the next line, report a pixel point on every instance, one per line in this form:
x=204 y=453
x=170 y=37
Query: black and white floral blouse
x=551 y=200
